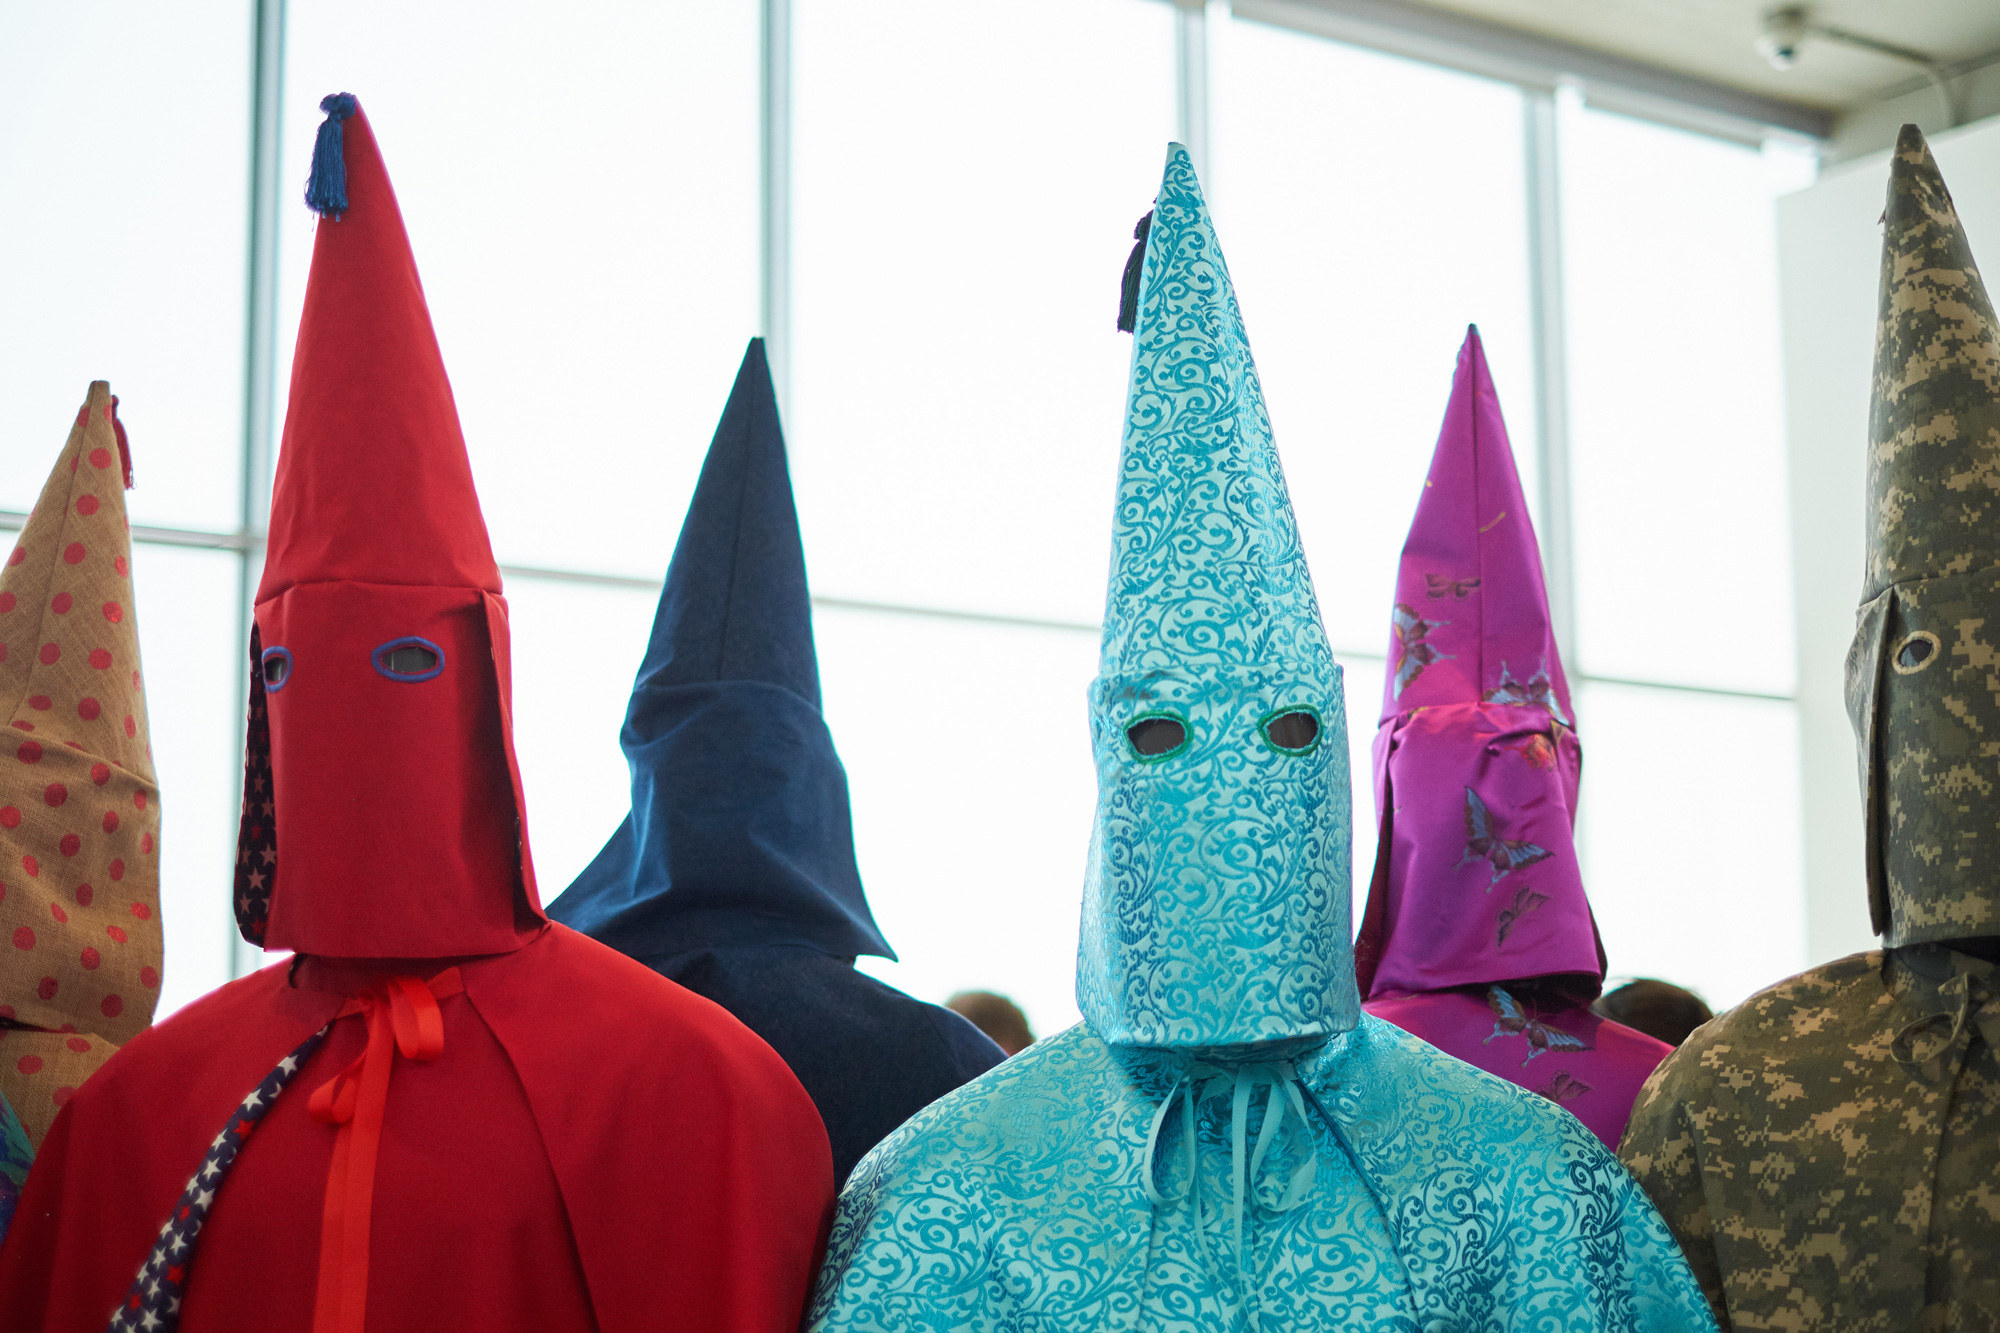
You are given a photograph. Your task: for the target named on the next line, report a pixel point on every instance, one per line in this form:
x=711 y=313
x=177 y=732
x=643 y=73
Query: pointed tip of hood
x=373 y=482
x=1472 y=361
x=1911 y=146
x=1935 y=415
x=1918 y=199
x=736 y=606
x=1471 y=619
x=1199 y=458
x=740 y=832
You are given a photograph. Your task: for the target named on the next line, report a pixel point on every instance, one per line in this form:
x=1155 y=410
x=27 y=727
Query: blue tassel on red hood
x=326 y=188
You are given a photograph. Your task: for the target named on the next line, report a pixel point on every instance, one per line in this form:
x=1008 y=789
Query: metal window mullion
x=1191 y=80
x=775 y=186
x=260 y=352
x=1547 y=319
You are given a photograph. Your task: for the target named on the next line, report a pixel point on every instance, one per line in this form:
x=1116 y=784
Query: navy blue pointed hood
x=739 y=832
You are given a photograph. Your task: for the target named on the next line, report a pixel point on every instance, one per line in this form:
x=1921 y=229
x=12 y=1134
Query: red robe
x=595 y=1148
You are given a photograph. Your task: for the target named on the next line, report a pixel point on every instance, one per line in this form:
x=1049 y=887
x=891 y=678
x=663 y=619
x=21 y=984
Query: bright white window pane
x=576 y=651
x=1690 y=836
x=1363 y=676
x=580 y=186
x=1370 y=208
x=124 y=180
x=191 y=651
x=967 y=749
x=967 y=176
x=1678 y=463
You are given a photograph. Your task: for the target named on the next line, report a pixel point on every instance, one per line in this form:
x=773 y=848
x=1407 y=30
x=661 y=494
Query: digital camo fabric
x=1216 y=899
x=1828 y=1152
x=1923 y=676
x=1443 y=1199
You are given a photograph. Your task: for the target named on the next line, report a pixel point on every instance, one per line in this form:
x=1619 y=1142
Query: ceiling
x=1715 y=39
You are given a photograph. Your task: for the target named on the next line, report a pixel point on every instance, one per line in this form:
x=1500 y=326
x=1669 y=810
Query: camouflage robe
x=1828 y=1152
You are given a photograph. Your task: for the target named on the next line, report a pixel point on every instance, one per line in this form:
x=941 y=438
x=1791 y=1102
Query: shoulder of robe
x=1381 y=1082
x=233 y=1036
x=1780 y=1033
x=1060 y=1094
x=630 y=1020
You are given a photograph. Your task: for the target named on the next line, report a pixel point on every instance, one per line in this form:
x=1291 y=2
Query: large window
x=1370 y=209
x=967 y=179
x=123 y=206
x=590 y=188
x=1682 y=571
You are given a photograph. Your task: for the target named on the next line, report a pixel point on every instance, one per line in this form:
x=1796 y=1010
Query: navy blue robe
x=870 y=1056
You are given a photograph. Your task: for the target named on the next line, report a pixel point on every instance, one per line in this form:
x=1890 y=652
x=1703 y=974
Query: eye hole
x=1156 y=737
x=409 y=659
x=277 y=669
x=1294 y=732
x=1915 y=653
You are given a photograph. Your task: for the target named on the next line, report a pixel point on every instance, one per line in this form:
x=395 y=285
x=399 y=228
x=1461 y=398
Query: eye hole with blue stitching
x=1291 y=731
x=1156 y=736
x=409 y=659
x=277 y=667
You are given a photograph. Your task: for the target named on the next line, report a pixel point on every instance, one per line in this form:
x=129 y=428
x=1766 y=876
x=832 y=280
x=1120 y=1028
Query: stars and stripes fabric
x=153 y=1305
x=257 y=836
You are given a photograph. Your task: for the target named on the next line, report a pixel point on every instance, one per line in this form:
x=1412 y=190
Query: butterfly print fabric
x=1537 y=691
x=1483 y=842
x=1588 y=1065
x=1414 y=651
x=1525 y=901
x=1477 y=762
x=1511 y=1020
x=1436 y=586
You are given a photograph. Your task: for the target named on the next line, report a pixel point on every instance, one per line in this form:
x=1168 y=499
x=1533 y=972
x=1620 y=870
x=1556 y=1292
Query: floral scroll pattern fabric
x=1229 y=852
x=1444 y=1199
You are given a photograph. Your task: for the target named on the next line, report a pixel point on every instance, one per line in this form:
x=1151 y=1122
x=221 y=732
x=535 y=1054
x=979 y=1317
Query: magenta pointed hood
x=1476 y=759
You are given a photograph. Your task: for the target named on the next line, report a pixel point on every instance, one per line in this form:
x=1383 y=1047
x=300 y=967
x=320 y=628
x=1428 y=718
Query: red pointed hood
x=381 y=776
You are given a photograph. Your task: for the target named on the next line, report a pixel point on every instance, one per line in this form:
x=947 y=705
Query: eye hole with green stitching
x=1156 y=736
x=1915 y=652
x=1293 y=731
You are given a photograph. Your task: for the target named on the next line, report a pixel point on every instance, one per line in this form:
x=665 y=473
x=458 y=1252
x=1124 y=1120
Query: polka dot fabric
x=39 y=1071
x=80 y=941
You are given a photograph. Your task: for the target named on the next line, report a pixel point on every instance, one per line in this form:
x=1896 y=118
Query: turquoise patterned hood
x=1216 y=906
x=1228 y=1145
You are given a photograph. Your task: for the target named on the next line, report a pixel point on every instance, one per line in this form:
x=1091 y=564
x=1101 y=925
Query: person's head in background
x=1657 y=1008
x=995 y=1015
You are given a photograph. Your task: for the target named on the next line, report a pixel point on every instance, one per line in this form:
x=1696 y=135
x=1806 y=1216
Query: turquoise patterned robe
x=1227 y=1142
x=1444 y=1200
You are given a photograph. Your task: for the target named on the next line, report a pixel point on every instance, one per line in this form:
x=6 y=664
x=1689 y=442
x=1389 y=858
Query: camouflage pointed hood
x=1923 y=676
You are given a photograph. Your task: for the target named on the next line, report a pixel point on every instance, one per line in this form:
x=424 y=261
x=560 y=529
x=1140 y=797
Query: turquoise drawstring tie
x=1200 y=1083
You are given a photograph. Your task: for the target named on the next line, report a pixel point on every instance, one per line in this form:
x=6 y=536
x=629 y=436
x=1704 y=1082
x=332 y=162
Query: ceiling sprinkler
x=1787 y=27
x=1785 y=30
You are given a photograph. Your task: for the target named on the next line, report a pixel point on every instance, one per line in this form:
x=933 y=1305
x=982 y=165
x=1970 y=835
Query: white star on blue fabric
x=153 y=1303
